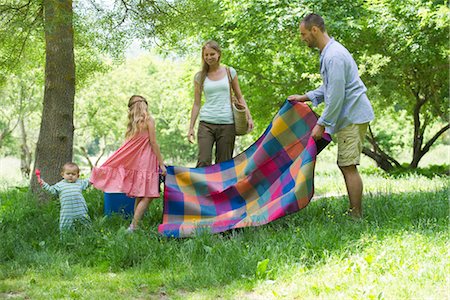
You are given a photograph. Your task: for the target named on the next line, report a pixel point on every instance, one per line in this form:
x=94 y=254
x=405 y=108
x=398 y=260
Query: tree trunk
x=55 y=143
x=25 y=154
x=417 y=155
x=383 y=160
x=418 y=136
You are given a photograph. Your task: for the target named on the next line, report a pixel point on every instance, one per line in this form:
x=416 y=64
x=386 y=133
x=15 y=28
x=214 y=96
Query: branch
x=173 y=7
x=87 y=157
x=95 y=6
x=124 y=16
x=101 y=154
x=377 y=152
x=5 y=8
x=7 y=131
x=127 y=10
x=434 y=138
x=28 y=33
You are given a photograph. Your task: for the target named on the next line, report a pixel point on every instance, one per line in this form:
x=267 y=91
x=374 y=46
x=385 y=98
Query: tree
x=22 y=72
x=54 y=146
x=20 y=59
x=401 y=47
x=111 y=33
x=101 y=110
x=19 y=36
x=19 y=114
x=261 y=40
x=407 y=55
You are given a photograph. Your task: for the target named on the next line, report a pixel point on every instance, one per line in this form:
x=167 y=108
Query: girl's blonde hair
x=137 y=115
x=205 y=67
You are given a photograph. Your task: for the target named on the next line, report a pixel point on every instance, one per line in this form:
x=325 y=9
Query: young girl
x=134 y=168
x=69 y=190
x=216 y=117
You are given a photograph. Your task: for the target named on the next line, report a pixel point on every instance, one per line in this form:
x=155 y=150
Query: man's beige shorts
x=350 y=142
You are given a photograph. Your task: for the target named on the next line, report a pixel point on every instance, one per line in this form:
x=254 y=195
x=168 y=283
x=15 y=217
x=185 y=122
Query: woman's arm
x=154 y=145
x=238 y=93
x=195 y=111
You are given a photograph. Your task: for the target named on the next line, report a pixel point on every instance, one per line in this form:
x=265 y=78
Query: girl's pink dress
x=132 y=169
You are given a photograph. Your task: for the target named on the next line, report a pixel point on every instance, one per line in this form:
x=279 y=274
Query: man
x=347 y=110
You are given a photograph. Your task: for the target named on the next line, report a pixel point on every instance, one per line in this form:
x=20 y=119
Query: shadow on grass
x=308 y=237
x=31 y=241
x=429 y=172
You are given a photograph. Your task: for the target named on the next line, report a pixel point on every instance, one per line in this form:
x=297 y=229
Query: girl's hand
x=191 y=136
x=40 y=181
x=163 y=170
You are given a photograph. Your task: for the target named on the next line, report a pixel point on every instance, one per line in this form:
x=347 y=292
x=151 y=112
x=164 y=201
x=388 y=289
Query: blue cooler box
x=118 y=203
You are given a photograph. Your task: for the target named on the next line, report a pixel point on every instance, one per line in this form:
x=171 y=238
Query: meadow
x=399 y=250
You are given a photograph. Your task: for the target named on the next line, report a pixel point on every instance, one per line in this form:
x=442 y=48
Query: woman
x=216 y=117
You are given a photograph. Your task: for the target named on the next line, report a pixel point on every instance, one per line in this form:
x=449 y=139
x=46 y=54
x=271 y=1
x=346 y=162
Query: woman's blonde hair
x=137 y=115
x=205 y=67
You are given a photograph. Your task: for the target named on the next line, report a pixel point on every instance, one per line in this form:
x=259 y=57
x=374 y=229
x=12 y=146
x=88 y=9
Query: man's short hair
x=314 y=20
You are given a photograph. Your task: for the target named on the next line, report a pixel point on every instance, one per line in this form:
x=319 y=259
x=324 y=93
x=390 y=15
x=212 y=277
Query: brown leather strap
x=229 y=81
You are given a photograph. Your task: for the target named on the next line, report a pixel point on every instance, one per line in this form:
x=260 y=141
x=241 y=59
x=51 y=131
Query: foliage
x=401 y=245
x=260 y=39
x=101 y=111
x=21 y=100
x=401 y=48
x=391 y=129
x=429 y=172
x=411 y=38
x=22 y=40
x=21 y=37
x=406 y=53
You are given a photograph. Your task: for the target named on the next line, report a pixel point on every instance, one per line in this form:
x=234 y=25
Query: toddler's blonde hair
x=70 y=165
x=137 y=115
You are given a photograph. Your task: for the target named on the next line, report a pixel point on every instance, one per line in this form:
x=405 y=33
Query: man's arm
x=335 y=92
x=316 y=96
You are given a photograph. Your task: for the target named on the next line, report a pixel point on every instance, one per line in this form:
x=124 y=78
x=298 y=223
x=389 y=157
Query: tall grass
x=398 y=251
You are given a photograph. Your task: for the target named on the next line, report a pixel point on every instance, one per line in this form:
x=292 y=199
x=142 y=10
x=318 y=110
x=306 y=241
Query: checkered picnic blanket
x=274 y=177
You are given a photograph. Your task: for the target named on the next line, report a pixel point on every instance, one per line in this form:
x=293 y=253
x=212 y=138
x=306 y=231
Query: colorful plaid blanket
x=272 y=178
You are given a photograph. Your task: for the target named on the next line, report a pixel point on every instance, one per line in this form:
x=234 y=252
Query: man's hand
x=191 y=136
x=301 y=98
x=317 y=132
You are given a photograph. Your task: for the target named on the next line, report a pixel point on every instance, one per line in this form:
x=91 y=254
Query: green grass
x=398 y=251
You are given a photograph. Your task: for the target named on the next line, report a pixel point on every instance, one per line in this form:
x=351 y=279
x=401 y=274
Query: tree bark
x=418 y=136
x=417 y=156
x=55 y=143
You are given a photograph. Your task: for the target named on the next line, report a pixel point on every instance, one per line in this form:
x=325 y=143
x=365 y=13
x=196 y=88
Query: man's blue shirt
x=342 y=90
